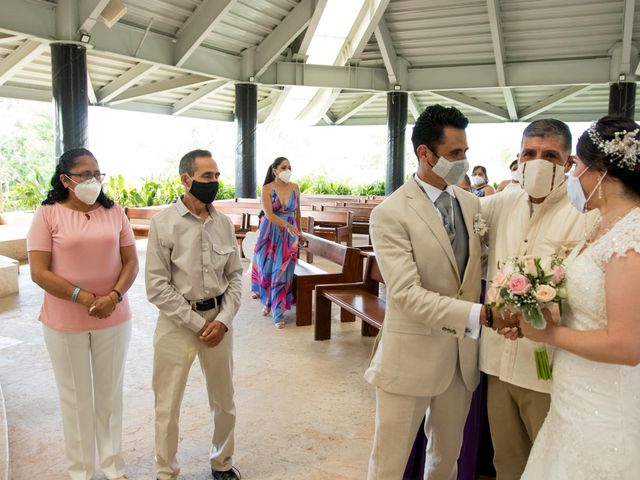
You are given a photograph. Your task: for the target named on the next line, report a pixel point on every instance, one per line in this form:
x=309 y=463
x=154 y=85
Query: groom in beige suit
x=429 y=255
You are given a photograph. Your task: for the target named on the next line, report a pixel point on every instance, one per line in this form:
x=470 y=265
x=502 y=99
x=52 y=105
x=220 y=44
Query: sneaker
x=231 y=474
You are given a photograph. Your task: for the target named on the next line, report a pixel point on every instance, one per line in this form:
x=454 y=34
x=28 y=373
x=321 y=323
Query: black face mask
x=205 y=192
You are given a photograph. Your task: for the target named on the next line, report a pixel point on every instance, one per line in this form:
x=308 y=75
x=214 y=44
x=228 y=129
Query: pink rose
x=545 y=293
x=557 y=274
x=530 y=265
x=519 y=284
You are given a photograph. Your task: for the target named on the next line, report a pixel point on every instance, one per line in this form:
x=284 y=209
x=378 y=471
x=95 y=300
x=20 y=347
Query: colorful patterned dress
x=274 y=259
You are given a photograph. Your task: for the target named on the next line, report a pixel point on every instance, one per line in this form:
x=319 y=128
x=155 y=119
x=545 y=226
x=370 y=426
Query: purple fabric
x=476 y=454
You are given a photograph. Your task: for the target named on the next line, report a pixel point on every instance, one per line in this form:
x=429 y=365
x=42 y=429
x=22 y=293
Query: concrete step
x=13 y=241
x=9 y=269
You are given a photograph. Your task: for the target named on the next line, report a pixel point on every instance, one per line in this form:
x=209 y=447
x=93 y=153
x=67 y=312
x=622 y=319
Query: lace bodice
x=592 y=431
x=585 y=272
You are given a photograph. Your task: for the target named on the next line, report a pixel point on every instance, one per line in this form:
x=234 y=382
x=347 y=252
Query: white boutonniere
x=480 y=225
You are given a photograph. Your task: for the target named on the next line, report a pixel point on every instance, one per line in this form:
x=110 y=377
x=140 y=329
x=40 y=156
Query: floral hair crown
x=623 y=148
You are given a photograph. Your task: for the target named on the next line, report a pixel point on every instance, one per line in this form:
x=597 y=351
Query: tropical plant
x=320 y=184
x=153 y=191
x=28 y=193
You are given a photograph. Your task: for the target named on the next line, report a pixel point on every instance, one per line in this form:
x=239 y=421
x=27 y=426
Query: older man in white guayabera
x=538 y=220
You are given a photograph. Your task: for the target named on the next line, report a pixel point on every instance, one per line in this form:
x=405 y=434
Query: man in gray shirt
x=193 y=275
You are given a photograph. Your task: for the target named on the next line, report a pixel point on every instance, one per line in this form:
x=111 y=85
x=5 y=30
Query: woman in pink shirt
x=82 y=253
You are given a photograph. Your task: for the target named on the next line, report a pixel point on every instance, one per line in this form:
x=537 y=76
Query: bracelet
x=489 y=317
x=74 y=295
x=118 y=294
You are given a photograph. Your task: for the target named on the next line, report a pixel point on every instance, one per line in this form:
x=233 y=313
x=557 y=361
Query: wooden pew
x=335 y=226
x=140 y=218
x=307 y=276
x=360 y=214
x=358 y=298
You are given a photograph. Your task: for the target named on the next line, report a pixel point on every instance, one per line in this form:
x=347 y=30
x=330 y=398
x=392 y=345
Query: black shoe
x=232 y=474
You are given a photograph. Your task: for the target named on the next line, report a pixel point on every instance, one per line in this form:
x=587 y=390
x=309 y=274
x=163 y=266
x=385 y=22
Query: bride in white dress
x=592 y=430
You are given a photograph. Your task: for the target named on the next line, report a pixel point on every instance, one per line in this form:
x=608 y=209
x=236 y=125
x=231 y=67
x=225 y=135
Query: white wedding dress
x=592 y=431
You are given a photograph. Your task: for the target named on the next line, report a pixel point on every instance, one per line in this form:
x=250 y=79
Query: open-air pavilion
x=304 y=410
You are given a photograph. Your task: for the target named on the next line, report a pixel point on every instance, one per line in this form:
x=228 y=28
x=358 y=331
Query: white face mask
x=87 y=191
x=541 y=177
x=576 y=193
x=285 y=176
x=477 y=179
x=515 y=175
x=451 y=172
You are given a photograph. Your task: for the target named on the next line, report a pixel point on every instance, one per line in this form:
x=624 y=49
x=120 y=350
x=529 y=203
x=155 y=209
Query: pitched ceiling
x=496 y=60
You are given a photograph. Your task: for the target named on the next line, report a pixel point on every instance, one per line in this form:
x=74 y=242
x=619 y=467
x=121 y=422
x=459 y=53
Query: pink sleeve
x=39 y=236
x=126 y=232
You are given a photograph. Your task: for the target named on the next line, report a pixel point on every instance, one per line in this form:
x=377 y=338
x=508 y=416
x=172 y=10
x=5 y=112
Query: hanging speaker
x=113 y=12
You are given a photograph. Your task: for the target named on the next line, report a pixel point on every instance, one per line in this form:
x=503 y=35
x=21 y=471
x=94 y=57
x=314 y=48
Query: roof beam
x=22 y=93
x=19 y=58
x=91 y=93
x=196 y=97
x=282 y=36
x=319 y=105
x=328 y=118
x=474 y=104
x=367 y=22
x=526 y=74
x=495 y=24
x=89 y=12
x=553 y=100
x=329 y=76
x=161 y=86
x=414 y=106
x=627 y=34
x=6 y=38
x=201 y=22
x=389 y=57
x=356 y=107
x=124 y=81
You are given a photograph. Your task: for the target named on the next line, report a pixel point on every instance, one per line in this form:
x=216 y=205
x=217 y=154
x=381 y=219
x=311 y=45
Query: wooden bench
x=135 y=214
x=360 y=299
x=307 y=276
x=360 y=215
x=335 y=226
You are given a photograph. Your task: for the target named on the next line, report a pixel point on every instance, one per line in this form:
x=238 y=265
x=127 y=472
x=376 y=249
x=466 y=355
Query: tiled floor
x=304 y=411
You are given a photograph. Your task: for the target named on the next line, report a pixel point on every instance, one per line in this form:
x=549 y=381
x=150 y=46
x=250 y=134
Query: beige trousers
x=516 y=415
x=175 y=349
x=398 y=418
x=89 y=372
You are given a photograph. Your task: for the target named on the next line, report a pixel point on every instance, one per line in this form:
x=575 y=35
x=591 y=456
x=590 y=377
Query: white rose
x=545 y=293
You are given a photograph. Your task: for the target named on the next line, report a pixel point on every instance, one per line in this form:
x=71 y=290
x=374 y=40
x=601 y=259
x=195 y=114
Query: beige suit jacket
x=427 y=304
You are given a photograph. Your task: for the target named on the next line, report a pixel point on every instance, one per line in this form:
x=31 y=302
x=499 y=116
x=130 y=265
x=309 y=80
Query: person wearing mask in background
x=479 y=182
x=512 y=185
x=276 y=251
x=537 y=220
x=82 y=253
x=429 y=256
x=194 y=276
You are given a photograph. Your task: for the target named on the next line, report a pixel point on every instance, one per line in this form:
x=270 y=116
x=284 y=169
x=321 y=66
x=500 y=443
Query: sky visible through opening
x=142 y=145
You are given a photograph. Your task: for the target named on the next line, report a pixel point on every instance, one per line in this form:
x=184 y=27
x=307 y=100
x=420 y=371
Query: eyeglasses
x=84 y=176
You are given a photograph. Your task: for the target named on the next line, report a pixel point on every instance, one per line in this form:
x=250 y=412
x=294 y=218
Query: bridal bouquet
x=528 y=284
